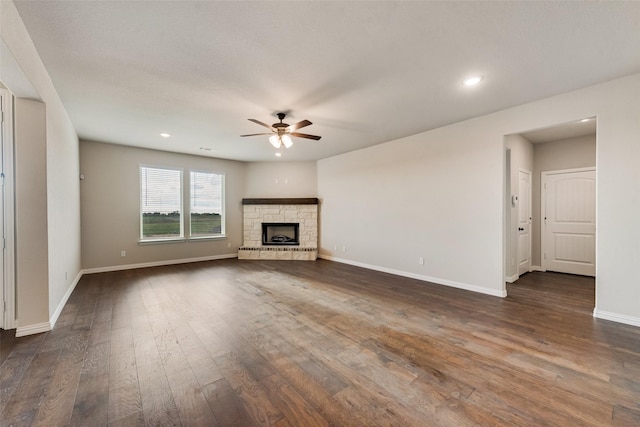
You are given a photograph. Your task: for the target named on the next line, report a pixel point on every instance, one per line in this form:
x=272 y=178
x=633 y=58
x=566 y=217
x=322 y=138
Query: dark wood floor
x=250 y=343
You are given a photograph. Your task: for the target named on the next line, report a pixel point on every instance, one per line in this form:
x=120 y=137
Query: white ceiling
x=363 y=72
x=562 y=131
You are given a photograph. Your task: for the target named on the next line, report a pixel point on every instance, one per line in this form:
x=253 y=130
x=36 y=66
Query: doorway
x=524 y=221
x=565 y=146
x=2 y=228
x=7 y=260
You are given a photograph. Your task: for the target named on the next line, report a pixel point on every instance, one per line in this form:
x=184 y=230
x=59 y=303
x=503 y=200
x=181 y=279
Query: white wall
x=63 y=201
x=281 y=179
x=568 y=153
x=111 y=207
x=439 y=195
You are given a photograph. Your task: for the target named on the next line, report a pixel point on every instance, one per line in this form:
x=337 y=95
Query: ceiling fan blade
x=305 y=135
x=258 y=122
x=300 y=125
x=256 y=134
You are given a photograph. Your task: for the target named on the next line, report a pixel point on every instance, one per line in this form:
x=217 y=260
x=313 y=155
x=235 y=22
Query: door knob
x=520 y=229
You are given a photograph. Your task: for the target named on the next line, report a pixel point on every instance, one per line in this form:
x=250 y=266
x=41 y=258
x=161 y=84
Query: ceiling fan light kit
x=281 y=133
x=279 y=140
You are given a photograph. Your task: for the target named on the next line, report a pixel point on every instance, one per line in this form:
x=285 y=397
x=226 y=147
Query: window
x=162 y=216
x=160 y=203
x=205 y=192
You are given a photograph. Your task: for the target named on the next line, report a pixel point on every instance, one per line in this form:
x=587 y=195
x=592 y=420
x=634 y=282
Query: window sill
x=181 y=240
x=205 y=238
x=161 y=241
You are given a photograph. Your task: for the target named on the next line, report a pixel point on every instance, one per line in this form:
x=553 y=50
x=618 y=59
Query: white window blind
x=161 y=203
x=206 y=193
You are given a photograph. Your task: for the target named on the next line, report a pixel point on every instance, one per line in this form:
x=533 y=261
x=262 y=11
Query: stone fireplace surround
x=303 y=211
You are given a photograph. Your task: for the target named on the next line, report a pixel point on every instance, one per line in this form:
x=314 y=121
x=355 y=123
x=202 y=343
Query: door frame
x=7 y=179
x=543 y=208
x=530 y=221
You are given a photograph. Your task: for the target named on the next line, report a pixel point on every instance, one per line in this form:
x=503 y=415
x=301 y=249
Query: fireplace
x=280 y=229
x=280 y=233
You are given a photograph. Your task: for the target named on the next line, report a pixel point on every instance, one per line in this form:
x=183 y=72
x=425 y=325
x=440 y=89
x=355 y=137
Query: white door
x=2 y=239
x=7 y=260
x=524 y=222
x=569 y=221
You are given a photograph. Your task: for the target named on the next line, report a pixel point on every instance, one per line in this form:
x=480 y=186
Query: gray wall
x=32 y=258
x=281 y=179
x=521 y=157
x=437 y=196
x=570 y=153
x=110 y=206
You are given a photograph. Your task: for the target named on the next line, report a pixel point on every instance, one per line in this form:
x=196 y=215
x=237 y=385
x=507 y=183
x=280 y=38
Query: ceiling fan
x=281 y=133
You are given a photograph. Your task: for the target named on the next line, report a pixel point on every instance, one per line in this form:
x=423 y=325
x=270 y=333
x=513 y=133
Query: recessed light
x=472 y=81
x=165 y=135
x=278 y=154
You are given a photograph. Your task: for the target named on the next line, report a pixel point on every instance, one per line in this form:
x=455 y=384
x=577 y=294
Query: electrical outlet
x=335 y=247
x=421 y=261
x=228 y=245
x=123 y=254
x=344 y=249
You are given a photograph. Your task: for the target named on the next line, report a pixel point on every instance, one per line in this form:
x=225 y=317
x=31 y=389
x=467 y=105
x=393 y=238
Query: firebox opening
x=280 y=233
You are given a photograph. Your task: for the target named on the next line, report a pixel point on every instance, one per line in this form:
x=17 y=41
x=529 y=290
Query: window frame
x=223 y=215
x=185 y=207
x=181 y=237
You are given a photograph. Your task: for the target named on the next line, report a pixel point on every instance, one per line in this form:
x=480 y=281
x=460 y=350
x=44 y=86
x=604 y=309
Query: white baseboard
x=511 y=279
x=156 y=263
x=615 y=317
x=22 y=331
x=436 y=280
x=537 y=268
x=54 y=317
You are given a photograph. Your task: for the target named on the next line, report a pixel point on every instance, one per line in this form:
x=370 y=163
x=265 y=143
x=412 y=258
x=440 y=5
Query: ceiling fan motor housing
x=280 y=128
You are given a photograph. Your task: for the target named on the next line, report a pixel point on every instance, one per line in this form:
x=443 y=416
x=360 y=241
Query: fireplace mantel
x=291 y=201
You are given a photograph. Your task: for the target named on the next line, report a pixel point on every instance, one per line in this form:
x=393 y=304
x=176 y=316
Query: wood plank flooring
x=285 y=343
